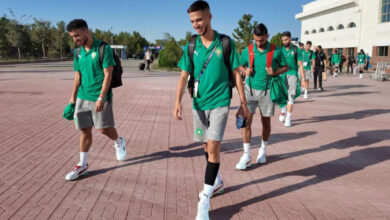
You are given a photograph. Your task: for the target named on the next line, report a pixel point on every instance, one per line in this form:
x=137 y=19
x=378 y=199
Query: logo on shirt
x=93 y=55
x=196 y=53
x=219 y=52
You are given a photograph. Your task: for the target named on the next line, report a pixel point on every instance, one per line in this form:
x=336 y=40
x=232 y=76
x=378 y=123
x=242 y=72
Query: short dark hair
x=260 y=30
x=198 y=6
x=309 y=42
x=300 y=44
x=286 y=34
x=319 y=46
x=76 y=24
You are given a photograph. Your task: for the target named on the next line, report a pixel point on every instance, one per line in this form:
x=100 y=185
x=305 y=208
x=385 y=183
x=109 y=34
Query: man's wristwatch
x=100 y=99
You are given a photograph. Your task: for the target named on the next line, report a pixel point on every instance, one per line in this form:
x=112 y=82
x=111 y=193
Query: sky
x=153 y=18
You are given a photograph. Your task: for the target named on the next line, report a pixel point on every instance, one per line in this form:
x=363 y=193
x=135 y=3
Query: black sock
x=211 y=173
x=206 y=154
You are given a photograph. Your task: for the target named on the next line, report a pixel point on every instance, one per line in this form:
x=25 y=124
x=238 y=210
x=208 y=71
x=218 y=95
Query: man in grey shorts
x=257 y=90
x=308 y=63
x=211 y=92
x=92 y=95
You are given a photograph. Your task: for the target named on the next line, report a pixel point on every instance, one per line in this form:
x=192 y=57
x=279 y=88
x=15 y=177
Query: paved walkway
x=333 y=163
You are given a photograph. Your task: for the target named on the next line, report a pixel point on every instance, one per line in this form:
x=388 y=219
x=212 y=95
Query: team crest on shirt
x=199 y=132
x=218 y=52
x=93 y=55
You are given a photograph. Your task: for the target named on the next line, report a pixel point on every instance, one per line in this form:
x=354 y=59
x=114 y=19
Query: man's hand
x=243 y=111
x=99 y=106
x=248 y=71
x=270 y=71
x=178 y=111
x=72 y=100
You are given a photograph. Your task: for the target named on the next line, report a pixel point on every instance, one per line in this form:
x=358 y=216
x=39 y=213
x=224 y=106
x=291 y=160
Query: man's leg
x=320 y=78
x=266 y=122
x=85 y=144
x=315 y=78
x=218 y=184
x=246 y=133
x=306 y=89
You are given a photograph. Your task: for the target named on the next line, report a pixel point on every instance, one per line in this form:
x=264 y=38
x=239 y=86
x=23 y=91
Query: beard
x=205 y=31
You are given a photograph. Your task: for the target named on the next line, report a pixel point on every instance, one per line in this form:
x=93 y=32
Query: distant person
x=343 y=59
x=308 y=59
x=92 y=95
x=148 y=59
x=320 y=65
x=301 y=48
x=351 y=61
x=361 y=62
x=336 y=60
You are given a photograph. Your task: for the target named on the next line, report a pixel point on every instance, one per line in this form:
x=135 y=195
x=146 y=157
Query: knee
x=103 y=131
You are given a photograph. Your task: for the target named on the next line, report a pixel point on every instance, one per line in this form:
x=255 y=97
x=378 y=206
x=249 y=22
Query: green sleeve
x=76 y=66
x=245 y=57
x=281 y=59
x=185 y=62
x=108 y=58
x=234 y=61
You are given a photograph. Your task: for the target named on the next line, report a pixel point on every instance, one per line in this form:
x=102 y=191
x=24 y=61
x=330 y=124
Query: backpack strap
x=295 y=53
x=101 y=52
x=270 y=56
x=227 y=50
x=191 y=49
x=251 y=54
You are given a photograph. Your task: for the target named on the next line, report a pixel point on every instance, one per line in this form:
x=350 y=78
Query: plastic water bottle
x=239 y=122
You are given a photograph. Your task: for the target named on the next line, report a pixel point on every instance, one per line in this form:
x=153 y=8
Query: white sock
x=305 y=91
x=83 y=158
x=219 y=178
x=264 y=144
x=288 y=116
x=247 y=147
x=118 y=140
x=208 y=190
x=284 y=109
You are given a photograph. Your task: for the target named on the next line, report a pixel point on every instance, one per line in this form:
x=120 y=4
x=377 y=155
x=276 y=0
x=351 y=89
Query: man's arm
x=240 y=88
x=181 y=86
x=76 y=86
x=106 y=86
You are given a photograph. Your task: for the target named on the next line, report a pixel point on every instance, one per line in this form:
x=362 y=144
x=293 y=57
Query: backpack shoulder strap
x=295 y=53
x=251 y=54
x=101 y=52
x=226 y=47
x=270 y=55
x=191 y=48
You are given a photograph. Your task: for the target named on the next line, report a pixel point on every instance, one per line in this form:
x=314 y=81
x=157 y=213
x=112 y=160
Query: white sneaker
x=261 y=157
x=282 y=117
x=77 y=171
x=305 y=96
x=120 y=150
x=319 y=89
x=245 y=161
x=361 y=76
x=218 y=189
x=203 y=208
x=287 y=123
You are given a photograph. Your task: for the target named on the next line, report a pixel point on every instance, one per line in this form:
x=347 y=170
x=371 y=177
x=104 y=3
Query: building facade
x=348 y=25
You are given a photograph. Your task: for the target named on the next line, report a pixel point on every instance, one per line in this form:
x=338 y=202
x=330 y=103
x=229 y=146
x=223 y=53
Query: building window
x=330 y=28
x=351 y=25
x=351 y=51
x=306 y=32
x=313 y=31
x=383 y=51
x=340 y=27
x=385 y=13
x=330 y=52
x=322 y=30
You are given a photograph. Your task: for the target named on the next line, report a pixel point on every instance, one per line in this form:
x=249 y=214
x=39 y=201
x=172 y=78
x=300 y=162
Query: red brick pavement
x=333 y=163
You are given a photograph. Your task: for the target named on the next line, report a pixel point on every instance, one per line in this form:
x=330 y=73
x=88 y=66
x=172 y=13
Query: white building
x=349 y=25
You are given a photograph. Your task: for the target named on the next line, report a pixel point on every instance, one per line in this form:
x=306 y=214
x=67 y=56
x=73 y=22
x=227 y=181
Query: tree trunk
x=19 y=52
x=43 y=51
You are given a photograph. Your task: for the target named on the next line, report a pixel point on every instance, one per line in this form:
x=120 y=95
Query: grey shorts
x=210 y=124
x=336 y=65
x=86 y=117
x=360 y=66
x=308 y=74
x=291 y=83
x=260 y=100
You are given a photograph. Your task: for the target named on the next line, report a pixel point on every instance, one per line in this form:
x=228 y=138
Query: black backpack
x=295 y=48
x=117 y=71
x=226 y=48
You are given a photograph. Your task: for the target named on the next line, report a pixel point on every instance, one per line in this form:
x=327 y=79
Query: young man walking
x=92 y=95
x=336 y=60
x=257 y=89
x=308 y=61
x=320 y=65
x=211 y=91
x=361 y=62
x=293 y=57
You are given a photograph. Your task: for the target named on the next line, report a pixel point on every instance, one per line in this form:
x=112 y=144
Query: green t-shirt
x=214 y=90
x=289 y=55
x=361 y=58
x=258 y=80
x=92 y=75
x=336 y=58
x=307 y=58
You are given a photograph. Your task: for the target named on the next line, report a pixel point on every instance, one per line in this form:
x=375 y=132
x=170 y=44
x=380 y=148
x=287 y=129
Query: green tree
x=277 y=40
x=170 y=55
x=184 y=41
x=42 y=33
x=243 y=34
x=60 y=40
x=5 y=45
x=17 y=36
